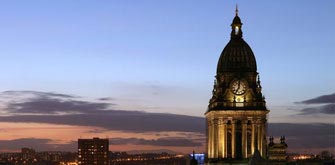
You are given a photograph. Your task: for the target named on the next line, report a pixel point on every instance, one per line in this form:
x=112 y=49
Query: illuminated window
x=236 y=30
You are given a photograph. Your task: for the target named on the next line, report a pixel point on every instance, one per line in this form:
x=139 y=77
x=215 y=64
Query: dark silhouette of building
x=93 y=151
x=277 y=151
x=193 y=161
x=237 y=114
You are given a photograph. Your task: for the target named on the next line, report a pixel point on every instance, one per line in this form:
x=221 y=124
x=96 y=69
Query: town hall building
x=237 y=113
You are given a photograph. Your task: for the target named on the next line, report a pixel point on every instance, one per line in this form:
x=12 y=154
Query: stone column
x=259 y=137
x=212 y=137
x=253 y=136
x=208 y=137
x=233 y=138
x=225 y=139
x=220 y=138
x=263 y=138
x=216 y=140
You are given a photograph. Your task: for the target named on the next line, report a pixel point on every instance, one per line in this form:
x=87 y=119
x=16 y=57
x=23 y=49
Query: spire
x=236 y=10
x=193 y=160
x=236 y=25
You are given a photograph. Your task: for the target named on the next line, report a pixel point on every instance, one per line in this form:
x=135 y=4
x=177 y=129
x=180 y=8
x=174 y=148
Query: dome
x=237 y=56
x=237 y=20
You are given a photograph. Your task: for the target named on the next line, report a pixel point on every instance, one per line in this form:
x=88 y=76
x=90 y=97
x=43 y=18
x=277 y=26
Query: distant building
x=277 y=151
x=28 y=153
x=197 y=159
x=93 y=151
x=193 y=160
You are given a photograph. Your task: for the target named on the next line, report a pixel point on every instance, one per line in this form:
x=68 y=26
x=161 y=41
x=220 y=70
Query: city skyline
x=72 y=67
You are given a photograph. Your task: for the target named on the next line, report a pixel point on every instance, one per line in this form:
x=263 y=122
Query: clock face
x=238 y=87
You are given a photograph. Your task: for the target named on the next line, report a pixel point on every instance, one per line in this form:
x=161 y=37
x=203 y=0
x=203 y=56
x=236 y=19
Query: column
x=220 y=138
x=253 y=136
x=216 y=140
x=225 y=139
x=244 y=139
x=233 y=138
x=259 y=137
x=212 y=137
x=209 y=139
x=263 y=139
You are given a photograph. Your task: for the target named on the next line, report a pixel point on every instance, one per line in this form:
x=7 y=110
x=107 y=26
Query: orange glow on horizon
x=65 y=134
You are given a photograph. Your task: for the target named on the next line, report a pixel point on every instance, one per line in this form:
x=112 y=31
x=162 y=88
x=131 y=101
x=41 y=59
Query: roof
x=237 y=55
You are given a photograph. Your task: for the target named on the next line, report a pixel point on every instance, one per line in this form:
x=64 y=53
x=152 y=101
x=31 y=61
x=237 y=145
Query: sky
x=141 y=72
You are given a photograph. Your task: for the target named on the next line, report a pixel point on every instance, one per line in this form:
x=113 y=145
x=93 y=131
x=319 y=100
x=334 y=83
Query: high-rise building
x=237 y=114
x=93 y=151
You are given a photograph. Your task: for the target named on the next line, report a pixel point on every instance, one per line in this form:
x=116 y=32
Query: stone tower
x=237 y=114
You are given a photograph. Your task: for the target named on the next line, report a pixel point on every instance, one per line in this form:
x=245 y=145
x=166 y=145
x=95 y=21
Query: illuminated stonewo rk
x=237 y=114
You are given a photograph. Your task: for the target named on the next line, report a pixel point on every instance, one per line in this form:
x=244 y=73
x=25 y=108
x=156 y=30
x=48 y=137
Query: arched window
x=237 y=29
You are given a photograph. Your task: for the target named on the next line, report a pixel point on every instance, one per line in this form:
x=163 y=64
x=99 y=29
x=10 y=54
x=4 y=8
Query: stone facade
x=237 y=114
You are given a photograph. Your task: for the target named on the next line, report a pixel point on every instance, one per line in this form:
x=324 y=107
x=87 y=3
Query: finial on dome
x=236 y=10
x=258 y=80
x=236 y=25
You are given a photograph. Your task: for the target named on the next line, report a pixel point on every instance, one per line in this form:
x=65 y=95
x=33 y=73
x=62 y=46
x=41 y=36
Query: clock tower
x=237 y=115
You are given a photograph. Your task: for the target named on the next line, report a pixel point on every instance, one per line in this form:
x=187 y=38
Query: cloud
x=327 y=105
x=105 y=99
x=46 y=105
x=48 y=109
x=36 y=93
x=170 y=141
x=300 y=129
x=306 y=136
x=131 y=121
x=104 y=116
x=37 y=144
x=328 y=109
x=321 y=99
x=33 y=102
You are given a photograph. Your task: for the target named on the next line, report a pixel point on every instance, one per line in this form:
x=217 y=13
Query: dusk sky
x=141 y=72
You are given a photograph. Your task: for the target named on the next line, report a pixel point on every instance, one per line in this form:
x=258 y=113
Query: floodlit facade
x=237 y=114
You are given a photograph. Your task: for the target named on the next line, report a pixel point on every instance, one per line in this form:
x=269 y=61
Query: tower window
x=236 y=30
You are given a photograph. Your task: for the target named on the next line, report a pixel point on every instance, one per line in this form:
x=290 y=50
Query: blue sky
x=161 y=56
x=132 y=70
